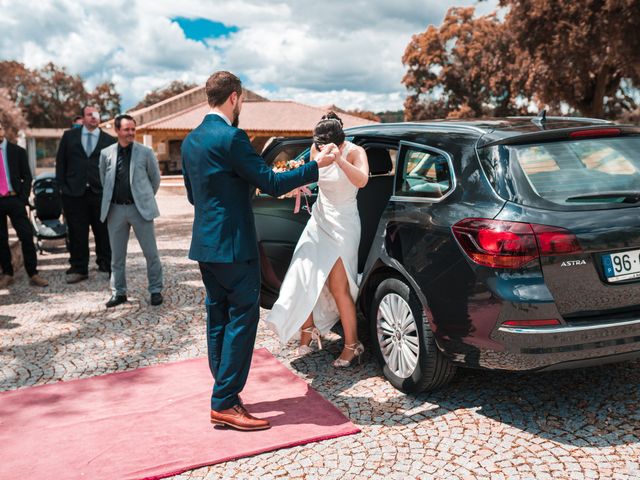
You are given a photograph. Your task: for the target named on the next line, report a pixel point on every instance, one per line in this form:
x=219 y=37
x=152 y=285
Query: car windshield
x=588 y=171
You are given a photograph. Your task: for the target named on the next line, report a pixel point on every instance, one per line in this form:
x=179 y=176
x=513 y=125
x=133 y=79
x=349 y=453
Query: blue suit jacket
x=221 y=170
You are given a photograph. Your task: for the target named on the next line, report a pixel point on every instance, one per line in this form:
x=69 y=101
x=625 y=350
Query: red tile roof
x=249 y=96
x=269 y=116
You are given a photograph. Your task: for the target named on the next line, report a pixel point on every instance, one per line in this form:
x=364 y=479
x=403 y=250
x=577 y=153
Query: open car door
x=277 y=226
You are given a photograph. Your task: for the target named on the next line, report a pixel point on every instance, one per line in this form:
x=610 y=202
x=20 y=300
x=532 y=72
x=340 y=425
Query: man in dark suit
x=78 y=175
x=15 y=187
x=221 y=170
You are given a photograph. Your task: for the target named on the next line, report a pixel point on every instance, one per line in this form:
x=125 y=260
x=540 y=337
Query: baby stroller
x=46 y=210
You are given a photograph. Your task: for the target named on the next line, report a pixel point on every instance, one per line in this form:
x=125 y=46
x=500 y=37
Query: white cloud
x=346 y=53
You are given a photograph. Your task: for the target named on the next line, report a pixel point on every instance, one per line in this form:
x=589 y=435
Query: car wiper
x=626 y=196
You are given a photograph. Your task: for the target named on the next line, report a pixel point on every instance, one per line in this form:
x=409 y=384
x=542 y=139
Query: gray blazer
x=144 y=176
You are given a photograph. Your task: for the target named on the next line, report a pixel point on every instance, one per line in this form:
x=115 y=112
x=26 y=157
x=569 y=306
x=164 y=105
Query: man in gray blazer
x=130 y=179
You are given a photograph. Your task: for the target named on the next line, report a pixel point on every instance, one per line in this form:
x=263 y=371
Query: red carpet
x=153 y=422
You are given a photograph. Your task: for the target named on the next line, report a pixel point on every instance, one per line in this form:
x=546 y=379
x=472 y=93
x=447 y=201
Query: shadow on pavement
x=7 y=322
x=590 y=407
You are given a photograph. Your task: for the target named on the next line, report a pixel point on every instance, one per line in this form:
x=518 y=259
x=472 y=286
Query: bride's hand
x=327 y=155
x=338 y=156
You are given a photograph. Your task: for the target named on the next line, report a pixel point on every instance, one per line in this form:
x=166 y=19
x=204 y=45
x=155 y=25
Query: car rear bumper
x=566 y=346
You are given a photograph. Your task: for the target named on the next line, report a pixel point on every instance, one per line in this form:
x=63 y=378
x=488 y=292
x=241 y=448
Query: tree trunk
x=597 y=101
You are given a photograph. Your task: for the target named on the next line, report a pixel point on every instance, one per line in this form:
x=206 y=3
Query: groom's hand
x=327 y=155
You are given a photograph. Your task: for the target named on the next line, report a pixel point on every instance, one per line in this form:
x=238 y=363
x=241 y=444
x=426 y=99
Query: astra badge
x=573 y=263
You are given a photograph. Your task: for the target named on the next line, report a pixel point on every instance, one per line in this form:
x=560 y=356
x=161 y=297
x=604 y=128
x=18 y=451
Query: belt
x=123 y=202
x=9 y=194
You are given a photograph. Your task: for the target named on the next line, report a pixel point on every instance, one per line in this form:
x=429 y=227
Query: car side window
x=424 y=173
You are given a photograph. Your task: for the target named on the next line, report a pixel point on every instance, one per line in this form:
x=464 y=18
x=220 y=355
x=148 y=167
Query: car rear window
x=569 y=173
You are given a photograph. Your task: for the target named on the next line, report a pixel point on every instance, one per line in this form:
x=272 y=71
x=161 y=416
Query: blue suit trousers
x=233 y=311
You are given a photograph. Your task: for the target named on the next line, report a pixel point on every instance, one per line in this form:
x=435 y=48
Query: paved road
x=578 y=424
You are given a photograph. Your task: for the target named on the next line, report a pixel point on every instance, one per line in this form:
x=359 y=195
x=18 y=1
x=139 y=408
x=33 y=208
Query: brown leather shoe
x=237 y=417
x=37 y=281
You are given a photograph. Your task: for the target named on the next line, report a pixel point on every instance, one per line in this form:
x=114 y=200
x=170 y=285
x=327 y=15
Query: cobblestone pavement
x=576 y=424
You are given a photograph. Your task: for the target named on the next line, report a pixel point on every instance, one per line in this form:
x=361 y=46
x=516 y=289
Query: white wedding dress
x=333 y=232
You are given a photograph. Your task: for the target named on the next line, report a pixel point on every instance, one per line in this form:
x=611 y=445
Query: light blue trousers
x=119 y=222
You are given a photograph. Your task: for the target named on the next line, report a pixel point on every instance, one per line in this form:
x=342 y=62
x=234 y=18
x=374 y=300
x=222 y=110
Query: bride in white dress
x=320 y=286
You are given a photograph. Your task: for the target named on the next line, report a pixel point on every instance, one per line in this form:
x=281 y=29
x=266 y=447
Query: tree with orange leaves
x=51 y=97
x=581 y=57
x=11 y=116
x=464 y=68
x=583 y=54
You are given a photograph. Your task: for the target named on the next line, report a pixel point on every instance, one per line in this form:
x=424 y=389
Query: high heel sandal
x=357 y=349
x=315 y=335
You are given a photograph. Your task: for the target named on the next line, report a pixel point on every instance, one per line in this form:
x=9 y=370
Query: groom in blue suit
x=221 y=170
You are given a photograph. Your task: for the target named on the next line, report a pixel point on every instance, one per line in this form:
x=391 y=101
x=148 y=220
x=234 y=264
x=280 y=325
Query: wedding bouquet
x=287 y=165
x=280 y=166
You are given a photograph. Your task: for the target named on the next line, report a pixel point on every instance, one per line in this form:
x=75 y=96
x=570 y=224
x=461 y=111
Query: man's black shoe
x=76 y=277
x=156 y=299
x=116 y=300
x=104 y=268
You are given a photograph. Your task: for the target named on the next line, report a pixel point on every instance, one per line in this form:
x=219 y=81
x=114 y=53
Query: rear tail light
x=532 y=323
x=502 y=244
x=596 y=132
x=555 y=240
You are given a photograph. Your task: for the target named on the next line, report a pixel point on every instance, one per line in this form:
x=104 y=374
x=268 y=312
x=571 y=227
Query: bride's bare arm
x=355 y=166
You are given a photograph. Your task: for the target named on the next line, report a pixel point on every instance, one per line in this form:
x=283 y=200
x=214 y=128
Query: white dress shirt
x=221 y=115
x=94 y=141
x=3 y=147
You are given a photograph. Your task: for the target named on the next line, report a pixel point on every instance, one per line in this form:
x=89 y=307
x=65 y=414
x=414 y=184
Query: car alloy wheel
x=398 y=335
x=402 y=340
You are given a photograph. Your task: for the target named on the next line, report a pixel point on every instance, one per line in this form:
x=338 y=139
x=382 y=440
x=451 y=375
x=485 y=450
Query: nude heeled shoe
x=315 y=335
x=357 y=349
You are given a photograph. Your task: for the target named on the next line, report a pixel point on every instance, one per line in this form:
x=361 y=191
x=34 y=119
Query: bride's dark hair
x=328 y=130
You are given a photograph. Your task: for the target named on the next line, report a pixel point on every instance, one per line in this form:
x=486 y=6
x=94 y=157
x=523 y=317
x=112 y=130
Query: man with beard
x=221 y=170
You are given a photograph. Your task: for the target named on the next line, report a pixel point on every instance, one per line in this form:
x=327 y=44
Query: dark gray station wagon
x=503 y=244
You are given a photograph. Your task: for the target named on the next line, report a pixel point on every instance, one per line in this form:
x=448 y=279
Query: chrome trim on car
x=440 y=126
x=398 y=198
x=567 y=329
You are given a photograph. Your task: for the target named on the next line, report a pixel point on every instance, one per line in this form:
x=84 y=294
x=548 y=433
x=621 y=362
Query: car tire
x=402 y=340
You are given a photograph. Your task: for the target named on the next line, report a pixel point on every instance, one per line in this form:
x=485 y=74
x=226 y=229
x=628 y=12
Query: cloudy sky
x=342 y=52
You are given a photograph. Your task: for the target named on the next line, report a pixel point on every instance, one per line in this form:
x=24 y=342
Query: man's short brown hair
x=220 y=85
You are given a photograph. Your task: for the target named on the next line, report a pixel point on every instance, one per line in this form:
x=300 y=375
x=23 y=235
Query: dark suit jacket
x=221 y=170
x=19 y=171
x=74 y=169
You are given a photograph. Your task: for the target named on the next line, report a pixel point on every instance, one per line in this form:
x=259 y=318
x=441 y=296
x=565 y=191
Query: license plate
x=621 y=266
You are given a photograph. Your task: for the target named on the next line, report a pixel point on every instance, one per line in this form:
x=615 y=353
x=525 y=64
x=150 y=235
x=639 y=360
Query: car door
x=278 y=226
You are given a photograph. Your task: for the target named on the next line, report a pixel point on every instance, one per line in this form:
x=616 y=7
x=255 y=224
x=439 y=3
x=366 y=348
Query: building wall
x=166 y=145
x=175 y=104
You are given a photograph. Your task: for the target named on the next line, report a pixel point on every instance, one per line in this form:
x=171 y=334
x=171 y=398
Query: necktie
x=89 y=147
x=4 y=185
